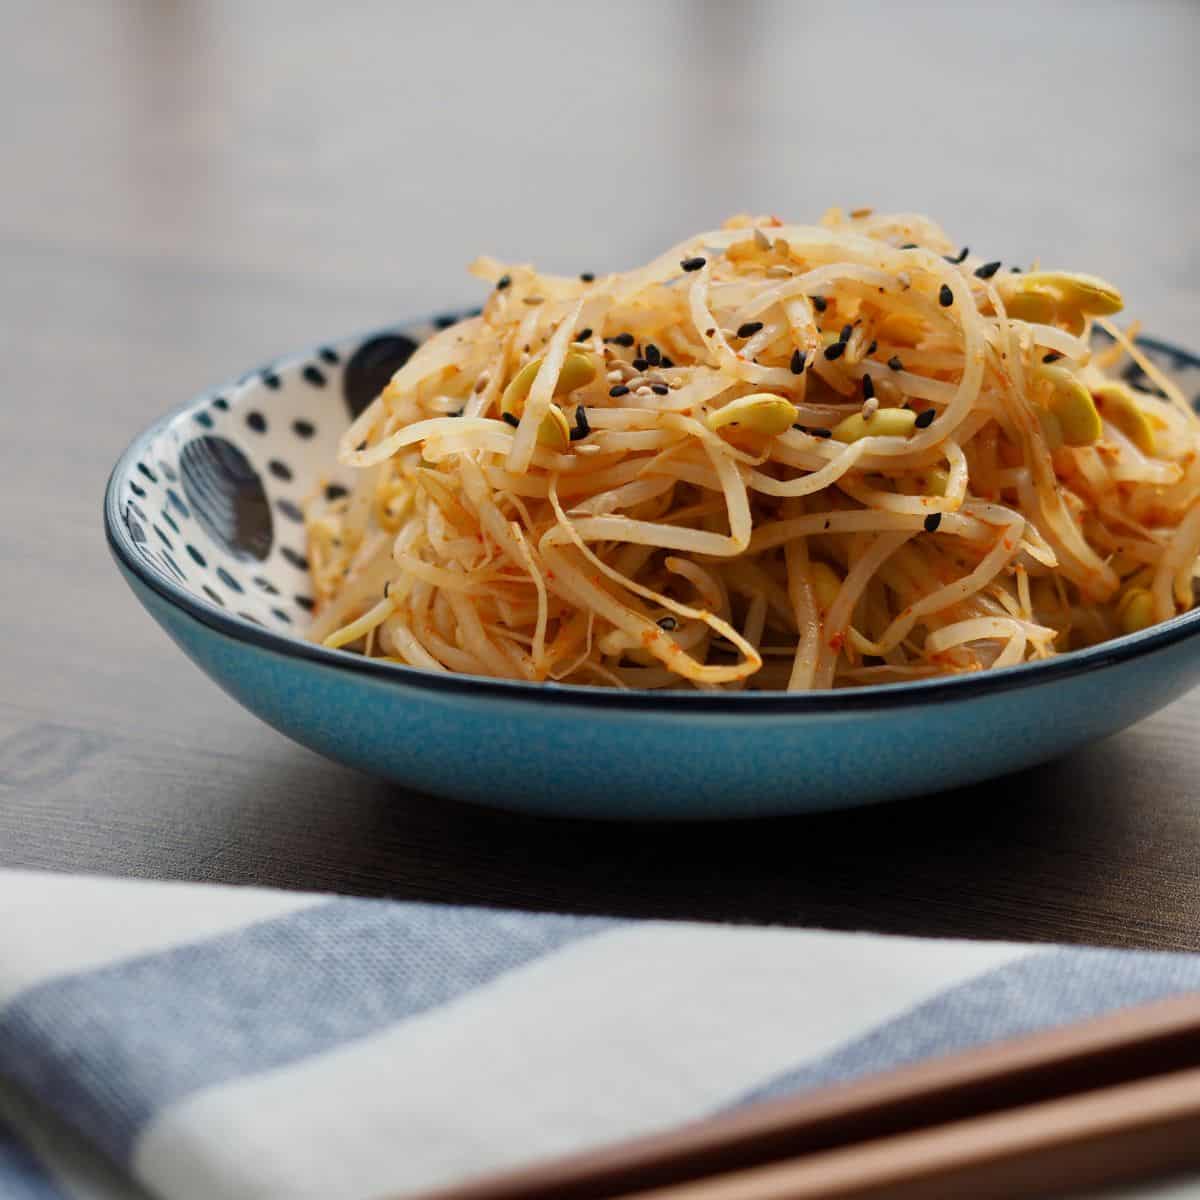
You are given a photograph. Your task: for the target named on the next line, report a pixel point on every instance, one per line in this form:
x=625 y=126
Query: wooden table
x=191 y=188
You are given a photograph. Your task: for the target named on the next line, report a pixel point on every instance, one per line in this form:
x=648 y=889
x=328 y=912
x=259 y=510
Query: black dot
x=197 y=557
x=280 y=470
x=270 y=379
x=281 y=615
x=173 y=566
x=249 y=617
x=227 y=497
x=213 y=596
x=297 y=560
x=289 y=510
x=371 y=366
x=335 y=491
x=169 y=520
x=266 y=585
x=168 y=471
x=257 y=422
x=305 y=602
x=136 y=490
x=149 y=474
x=228 y=580
x=166 y=541
x=329 y=354
x=204 y=420
x=179 y=506
x=304 y=429
x=221 y=403
x=314 y=375
x=132 y=505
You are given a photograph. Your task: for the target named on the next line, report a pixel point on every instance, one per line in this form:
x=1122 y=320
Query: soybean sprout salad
x=778 y=456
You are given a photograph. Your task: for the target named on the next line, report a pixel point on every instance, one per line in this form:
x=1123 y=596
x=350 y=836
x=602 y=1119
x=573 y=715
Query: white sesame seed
x=761 y=240
x=869 y=408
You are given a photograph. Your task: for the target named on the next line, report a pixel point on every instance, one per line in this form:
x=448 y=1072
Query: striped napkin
x=192 y=1042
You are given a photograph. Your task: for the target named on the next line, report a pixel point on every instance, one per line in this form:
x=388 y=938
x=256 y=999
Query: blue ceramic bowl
x=202 y=514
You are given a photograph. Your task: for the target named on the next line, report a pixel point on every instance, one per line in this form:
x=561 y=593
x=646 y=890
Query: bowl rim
x=827 y=701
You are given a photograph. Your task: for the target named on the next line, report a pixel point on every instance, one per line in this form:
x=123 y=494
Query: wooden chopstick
x=1121 y=1048
x=1112 y=1135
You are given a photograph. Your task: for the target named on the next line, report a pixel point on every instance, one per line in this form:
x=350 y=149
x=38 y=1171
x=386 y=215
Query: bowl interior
x=211 y=498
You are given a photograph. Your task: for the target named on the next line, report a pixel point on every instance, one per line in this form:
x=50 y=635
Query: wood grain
x=192 y=188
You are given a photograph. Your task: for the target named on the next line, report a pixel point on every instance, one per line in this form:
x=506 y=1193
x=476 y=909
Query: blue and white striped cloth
x=190 y=1042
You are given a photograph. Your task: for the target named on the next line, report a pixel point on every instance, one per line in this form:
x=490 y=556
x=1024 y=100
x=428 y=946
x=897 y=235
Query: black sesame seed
x=305 y=602
x=196 y=556
x=668 y=624
x=583 y=335
x=149 y=474
x=836 y=350
x=271 y=380
x=844 y=336
x=221 y=403
x=203 y=419
x=335 y=491
x=328 y=354
x=666 y=363
x=872 y=347
x=909 y=246
x=582 y=428
x=257 y=422
x=659 y=389
x=640 y=364
x=868 y=386
x=588 y=277
x=819 y=303
x=709 y=332
x=213 y=596
x=1015 y=270
x=749 y=329
x=653 y=355
x=503 y=282
x=1052 y=357
x=280 y=469
x=797 y=363
x=314 y=375
x=945 y=296
x=289 y=510
x=932 y=522
x=821 y=432
x=303 y=429
x=958 y=258
x=987 y=270
x=692 y=264
x=266 y=585
x=895 y=363
x=925 y=419
x=624 y=339
x=510 y=419
x=619 y=390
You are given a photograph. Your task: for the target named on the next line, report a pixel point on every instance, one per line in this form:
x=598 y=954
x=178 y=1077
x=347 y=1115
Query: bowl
x=202 y=514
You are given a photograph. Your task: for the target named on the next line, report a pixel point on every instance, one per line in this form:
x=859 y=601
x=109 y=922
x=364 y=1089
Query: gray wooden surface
x=192 y=188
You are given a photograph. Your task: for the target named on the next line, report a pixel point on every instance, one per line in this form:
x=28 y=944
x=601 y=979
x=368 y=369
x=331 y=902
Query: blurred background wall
x=224 y=180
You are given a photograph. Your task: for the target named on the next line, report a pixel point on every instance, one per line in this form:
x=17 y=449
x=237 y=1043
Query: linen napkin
x=191 y=1041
